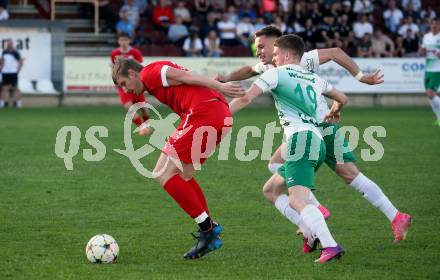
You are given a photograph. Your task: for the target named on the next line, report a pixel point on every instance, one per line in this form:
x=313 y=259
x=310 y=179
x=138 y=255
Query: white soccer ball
x=102 y=248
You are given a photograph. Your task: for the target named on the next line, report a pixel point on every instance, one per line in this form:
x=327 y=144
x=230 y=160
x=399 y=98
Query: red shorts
x=129 y=97
x=200 y=131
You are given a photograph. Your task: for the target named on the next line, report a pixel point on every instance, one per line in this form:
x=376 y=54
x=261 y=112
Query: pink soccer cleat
x=330 y=253
x=310 y=244
x=401 y=224
x=325 y=212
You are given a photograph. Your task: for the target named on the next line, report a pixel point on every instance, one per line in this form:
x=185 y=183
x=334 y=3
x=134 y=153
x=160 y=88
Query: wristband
x=359 y=75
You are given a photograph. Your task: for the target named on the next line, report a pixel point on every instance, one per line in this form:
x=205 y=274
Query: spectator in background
x=163 y=14
x=4 y=15
x=363 y=7
x=178 y=32
x=124 y=25
x=392 y=16
x=309 y=34
x=202 y=7
x=336 y=42
x=259 y=23
x=409 y=24
x=382 y=45
x=362 y=27
x=347 y=10
x=415 y=4
x=132 y=10
x=182 y=11
x=245 y=30
x=410 y=12
x=10 y=65
x=424 y=25
x=210 y=24
x=343 y=27
x=142 y=5
x=248 y=9
x=335 y=10
x=267 y=8
x=429 y=13
x=399 y=50
x=279 y=23
x=212 y=45
x=227 y=30
x=365 y=46
x=233 y=15
x=410 y=44
x=313 y=13
x=350 y=44
x=298 y=14
x=193 y=45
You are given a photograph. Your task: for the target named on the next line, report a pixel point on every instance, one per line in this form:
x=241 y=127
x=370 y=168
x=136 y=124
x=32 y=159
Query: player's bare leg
x=313 y=220
x=275 y=162
x=4 y=95
x=434 y=100
x=373 y=193
x=176 y=181
x=16 y=99
x=274 y=190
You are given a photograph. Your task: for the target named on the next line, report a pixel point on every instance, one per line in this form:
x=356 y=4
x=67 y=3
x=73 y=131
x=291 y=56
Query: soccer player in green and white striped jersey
x=431 y=48
x=297 y=92
x=347 y=169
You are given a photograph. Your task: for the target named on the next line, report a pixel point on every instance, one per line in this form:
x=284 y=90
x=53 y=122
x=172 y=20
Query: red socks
x=195 y=186
x=186 y=195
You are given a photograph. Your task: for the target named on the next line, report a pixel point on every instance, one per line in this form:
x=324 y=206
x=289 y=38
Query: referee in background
x=10 y=64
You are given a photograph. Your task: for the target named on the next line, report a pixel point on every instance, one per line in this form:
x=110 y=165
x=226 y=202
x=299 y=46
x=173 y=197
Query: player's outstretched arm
x=176 y=77
x=239 y=74
x=239 y=103
x=341 y=58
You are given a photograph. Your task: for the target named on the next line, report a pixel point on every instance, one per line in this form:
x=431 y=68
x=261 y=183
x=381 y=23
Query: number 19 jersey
x=297 y=93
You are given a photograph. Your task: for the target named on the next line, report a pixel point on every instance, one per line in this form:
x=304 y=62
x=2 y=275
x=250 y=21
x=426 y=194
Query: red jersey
x=132 y=53
x=181 y=99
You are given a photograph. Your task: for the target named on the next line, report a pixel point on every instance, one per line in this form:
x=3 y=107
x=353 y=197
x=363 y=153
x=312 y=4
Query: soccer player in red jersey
x=128 y=99
x=204 y=112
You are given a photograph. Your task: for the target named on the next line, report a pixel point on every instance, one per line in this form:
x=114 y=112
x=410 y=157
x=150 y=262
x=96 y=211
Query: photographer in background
x=10 y=65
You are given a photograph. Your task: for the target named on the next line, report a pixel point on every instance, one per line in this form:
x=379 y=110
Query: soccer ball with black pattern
x=102 y=248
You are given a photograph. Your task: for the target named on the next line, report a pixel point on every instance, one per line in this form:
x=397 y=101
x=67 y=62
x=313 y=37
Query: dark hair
x=123 y=34
x=291 y=42
x=268 y=31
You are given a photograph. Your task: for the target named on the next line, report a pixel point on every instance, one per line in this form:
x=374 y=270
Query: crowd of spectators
x=363 y=28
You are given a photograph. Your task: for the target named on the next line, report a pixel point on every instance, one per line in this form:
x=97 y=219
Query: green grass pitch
x=47 y=214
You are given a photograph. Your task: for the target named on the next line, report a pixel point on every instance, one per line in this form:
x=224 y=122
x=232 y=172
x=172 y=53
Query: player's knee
x=347 y=171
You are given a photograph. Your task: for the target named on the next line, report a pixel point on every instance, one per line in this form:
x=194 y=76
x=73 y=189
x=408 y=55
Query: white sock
x=282 y=204
x=273 y=167
x=372 y=192
x=314 y=220
x=18 y=103
x=435 y=104
x=313 y=200
x=2 y=103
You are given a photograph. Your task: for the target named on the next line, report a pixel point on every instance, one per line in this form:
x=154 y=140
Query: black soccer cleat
x=206 y=242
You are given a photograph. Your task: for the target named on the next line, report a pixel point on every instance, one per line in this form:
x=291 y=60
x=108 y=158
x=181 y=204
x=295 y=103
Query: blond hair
x=121 y=67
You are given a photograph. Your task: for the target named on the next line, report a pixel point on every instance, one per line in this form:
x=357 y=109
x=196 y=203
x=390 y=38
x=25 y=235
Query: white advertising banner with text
x=402 y=75
x=35 y=49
